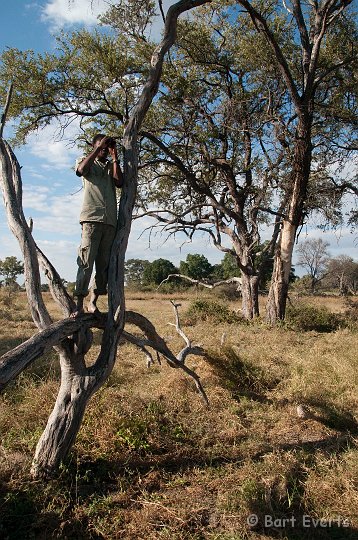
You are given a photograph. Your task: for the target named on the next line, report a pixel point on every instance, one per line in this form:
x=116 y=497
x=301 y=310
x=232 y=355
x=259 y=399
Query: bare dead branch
x=203 y=284
x=11 y=185
x=189 y=348
x=15 y=361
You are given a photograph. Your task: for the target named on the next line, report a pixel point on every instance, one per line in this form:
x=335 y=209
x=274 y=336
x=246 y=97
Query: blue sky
x=52 y=195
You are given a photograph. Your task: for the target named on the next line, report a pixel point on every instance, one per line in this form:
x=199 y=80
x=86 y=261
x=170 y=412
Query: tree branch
x=15 y=361
x=203 y=284
x=6 y=108
x=261 y=24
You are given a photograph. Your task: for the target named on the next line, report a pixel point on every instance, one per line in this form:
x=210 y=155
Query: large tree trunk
x=277 y=298
x=65 y=420
x=276 y=302
x=250 y=296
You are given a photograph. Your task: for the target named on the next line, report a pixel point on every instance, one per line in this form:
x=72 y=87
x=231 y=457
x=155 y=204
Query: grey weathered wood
x=15 y=361
x=12 y=193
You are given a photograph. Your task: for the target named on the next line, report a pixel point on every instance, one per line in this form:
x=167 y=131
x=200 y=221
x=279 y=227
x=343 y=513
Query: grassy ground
x=152 y=462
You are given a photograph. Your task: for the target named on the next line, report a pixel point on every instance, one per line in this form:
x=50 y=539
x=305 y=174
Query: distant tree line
x=324 y=272
x=142 y=273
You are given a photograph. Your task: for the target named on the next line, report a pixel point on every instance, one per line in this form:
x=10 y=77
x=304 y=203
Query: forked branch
x=15 y=361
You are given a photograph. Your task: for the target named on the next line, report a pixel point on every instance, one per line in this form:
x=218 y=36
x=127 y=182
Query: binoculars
x=111 y=143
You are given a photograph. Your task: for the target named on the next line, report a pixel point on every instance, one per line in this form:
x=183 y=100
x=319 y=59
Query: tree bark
x=277 y=298
x=65 y=420
x=250 y=296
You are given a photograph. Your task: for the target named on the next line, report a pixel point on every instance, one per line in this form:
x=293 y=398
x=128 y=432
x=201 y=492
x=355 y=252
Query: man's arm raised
x=116 y=171
x=86 y=163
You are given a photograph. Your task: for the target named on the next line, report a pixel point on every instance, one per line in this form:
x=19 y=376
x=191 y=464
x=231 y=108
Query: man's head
x=97 y=138
x=96 y=141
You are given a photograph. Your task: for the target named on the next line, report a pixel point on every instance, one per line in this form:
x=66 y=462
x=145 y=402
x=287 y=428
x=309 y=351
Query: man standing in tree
x=98 y=218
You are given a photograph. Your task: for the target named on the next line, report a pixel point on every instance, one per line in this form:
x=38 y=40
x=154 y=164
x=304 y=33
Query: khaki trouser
x=95 y=249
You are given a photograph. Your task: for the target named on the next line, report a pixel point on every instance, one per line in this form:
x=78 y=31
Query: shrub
x=209 y=310
x=228 y=292
x=351 y=314
x=304 y=317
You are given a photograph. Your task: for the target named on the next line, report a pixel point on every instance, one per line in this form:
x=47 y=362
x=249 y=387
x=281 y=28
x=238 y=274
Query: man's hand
x=113 y=152
x=104 y=143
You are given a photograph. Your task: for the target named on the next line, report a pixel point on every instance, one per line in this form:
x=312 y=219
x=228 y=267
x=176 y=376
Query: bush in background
x=304 y=317
x=209 y=310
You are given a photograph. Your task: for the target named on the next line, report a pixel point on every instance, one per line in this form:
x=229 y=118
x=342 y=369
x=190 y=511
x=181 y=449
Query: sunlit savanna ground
x=152 y=461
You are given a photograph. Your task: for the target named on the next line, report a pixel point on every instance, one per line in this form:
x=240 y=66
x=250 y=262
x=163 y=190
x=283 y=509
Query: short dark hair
x=97 y=137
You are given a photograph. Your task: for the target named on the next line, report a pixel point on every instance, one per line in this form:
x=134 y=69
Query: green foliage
x=302 y=285
x=134 y=272
x=158 y=270
x=228 y=267
x=263 y=264
x=133 y=433
x=209 y=310
x=10 y=268
x=304 y=317
x=196 y=266
x=93 y=74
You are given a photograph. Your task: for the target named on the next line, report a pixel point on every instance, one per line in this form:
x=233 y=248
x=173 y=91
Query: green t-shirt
x=99 y=198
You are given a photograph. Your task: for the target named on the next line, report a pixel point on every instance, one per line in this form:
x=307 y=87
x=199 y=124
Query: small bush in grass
x=351 y=315
x=209 y=310
x=227 y=292
x=304 y=317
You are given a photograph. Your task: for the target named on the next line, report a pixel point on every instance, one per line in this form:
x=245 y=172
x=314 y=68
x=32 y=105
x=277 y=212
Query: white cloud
x=60 y=13
x=35 y=198
x=53 y=152
x=59 y=214
x=63 y=255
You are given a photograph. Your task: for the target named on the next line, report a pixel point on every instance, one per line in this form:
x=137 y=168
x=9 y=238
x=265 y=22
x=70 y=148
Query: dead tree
x=72 y=338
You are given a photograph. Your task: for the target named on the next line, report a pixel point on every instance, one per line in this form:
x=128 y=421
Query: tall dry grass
x=151 y=461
